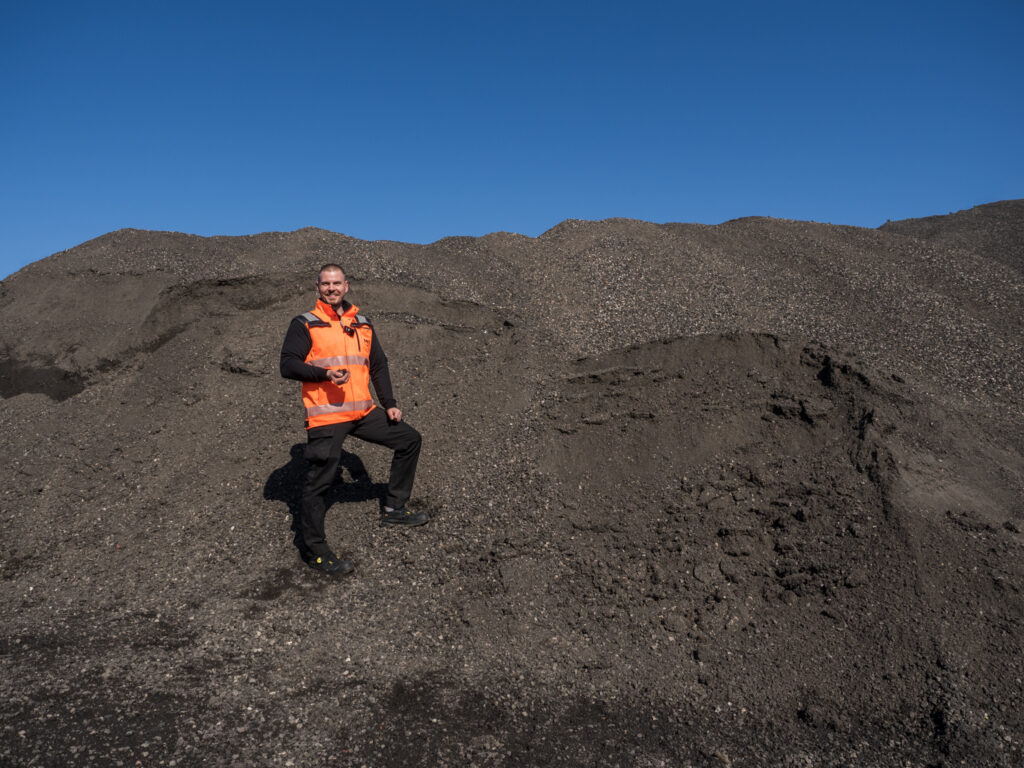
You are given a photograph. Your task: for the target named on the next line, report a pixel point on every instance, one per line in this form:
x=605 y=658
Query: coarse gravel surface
x=739 y=495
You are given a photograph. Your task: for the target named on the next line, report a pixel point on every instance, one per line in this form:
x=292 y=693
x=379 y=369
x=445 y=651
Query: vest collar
x=326 y=312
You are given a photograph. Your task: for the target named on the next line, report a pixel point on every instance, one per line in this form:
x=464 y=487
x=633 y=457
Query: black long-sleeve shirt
x=297 y=343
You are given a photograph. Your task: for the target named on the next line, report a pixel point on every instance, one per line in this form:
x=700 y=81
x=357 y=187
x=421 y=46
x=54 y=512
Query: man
x=334 y=352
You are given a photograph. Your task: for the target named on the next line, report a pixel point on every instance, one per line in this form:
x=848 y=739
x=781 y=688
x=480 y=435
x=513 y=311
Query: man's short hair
x=326 y=267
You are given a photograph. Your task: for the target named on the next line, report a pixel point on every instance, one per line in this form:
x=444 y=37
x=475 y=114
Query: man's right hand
x=338 y=377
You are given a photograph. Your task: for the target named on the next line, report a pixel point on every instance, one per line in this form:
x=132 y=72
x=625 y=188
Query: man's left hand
x=394 y=414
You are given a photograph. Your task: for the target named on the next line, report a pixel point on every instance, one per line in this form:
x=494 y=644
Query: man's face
x=332 y=286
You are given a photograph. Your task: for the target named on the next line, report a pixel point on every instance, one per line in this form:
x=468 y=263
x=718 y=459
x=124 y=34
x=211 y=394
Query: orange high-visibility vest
x=338 y=342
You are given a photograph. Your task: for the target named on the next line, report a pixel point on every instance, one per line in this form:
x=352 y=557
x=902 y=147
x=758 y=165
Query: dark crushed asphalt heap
x=746 y=495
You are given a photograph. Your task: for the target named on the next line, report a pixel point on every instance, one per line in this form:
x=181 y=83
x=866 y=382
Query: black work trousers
x=323 y=453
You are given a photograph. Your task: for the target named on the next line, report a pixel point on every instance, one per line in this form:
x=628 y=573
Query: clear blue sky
x=417 y=120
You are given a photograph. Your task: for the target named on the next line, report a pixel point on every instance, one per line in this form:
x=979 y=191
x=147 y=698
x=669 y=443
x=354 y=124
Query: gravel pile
x=746 y=494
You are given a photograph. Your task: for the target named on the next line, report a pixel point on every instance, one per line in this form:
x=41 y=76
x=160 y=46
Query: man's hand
x=338 y=377
x=394 y=414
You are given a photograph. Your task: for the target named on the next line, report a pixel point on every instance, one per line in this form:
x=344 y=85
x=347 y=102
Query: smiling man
x=334 y=352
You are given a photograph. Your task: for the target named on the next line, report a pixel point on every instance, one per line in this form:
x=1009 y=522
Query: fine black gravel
x=739 y=495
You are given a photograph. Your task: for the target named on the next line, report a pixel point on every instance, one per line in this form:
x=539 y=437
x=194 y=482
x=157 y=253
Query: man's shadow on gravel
x=285 y=484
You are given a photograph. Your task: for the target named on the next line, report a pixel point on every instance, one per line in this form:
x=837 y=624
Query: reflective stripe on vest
x=312 y=321
x=358 y=405
x=326 y=362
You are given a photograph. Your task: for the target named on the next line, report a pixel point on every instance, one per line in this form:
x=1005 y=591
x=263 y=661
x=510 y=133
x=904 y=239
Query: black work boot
x=330 y=564
x=402 y=516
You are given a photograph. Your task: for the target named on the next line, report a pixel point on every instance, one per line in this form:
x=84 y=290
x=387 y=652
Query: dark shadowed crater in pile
x=16 y=378
x=741 y=495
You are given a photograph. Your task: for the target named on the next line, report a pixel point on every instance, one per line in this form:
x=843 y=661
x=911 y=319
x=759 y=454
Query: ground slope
x=746 y=494
x=992 y=230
